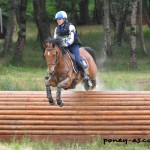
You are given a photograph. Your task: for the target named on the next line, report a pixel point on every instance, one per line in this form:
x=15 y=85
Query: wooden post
x=116 y=114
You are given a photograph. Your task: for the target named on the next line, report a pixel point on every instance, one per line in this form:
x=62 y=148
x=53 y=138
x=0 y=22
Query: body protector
x=68 y=33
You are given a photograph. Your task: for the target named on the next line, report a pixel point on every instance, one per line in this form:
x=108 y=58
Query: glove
x=65 y=44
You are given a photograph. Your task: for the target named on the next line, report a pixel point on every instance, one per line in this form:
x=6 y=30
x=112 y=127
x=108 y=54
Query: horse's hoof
x=51 y=101
x=60 y=103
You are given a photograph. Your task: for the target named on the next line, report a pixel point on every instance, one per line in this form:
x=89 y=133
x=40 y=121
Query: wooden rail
x=84 y=115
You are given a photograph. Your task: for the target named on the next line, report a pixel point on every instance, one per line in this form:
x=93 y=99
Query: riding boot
x=83 y=74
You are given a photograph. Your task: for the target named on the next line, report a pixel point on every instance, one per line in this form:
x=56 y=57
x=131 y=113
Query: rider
x=68 y=32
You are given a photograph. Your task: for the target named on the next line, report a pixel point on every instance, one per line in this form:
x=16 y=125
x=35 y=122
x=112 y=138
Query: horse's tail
x=91 y=52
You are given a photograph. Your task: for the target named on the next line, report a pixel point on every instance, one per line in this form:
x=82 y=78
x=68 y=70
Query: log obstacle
x=116 y=114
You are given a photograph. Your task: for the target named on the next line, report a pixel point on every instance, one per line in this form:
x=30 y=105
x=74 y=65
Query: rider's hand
x=65 y=44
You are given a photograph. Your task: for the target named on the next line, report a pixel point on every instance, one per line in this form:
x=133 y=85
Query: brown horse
x=60 y=69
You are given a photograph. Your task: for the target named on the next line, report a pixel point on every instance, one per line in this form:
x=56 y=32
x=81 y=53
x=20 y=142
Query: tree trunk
x=148 y=17
x=107 y=38
x=10 y=28
x=84 y=11
x=60 y=5
x=133 y=61
x=41 y=20
x=118 y=15
x=1 y=22
x=143 y=47
x=18 y=51
x=146 y=4
x=74 y=16
x=121 y=25
x=97 y=13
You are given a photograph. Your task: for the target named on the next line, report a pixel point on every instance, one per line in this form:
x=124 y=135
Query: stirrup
x=85 y=77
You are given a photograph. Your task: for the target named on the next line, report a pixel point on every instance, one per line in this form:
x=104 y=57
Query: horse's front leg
x=48 y=91
x=60 y=85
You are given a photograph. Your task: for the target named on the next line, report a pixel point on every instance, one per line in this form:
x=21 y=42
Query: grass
x=22 y=78
x=97 y=144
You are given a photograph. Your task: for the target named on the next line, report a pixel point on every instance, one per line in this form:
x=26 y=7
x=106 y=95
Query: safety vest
x=65 y=32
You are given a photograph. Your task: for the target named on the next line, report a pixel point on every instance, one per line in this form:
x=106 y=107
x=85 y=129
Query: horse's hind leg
x=60 y=85
x=89 y=87
x=93 y=84
x=86 y=85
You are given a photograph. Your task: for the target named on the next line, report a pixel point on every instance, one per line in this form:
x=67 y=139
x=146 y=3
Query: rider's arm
x=72 y=32
x=55 y=34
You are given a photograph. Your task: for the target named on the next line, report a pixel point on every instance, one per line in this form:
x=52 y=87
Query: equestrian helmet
x=61 y=15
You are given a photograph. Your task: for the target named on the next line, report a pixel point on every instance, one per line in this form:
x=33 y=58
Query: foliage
x=4 y=7
x=29 y=13
x=51 y=8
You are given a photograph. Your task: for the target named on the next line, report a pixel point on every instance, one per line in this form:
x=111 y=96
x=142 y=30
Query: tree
x=18 y=51
x=74 y=14
x=120 y=28
x=63 y=5
x=84 y=11
x=97 y=13
x=118 y=15
x=143 y=47
x=106 y=26
x=10 y=28
x=146 y=4
x=41 y=20
x=133 y=62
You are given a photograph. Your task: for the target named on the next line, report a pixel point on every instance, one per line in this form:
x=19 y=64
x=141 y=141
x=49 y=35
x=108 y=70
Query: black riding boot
x=83 y=74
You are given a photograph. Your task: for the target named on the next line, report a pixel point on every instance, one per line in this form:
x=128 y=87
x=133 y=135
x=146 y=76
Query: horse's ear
x=45 y=44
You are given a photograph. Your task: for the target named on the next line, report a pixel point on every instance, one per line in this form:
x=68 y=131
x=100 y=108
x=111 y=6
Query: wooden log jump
x=85 y=115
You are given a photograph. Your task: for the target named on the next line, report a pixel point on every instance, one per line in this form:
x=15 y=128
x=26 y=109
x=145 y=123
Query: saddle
x=74 y=65
x=73 y=62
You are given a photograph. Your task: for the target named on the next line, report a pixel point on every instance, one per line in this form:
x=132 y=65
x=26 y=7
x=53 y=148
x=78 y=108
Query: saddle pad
x=74 y=66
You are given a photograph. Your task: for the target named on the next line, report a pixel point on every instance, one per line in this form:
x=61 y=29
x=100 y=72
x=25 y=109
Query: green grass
x=22 y=78
x=96 y=144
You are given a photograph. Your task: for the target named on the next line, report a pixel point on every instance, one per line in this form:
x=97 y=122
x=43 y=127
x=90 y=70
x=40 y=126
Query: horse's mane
x=57 y=41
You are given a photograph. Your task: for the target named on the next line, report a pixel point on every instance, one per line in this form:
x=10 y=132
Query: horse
x=61 y=73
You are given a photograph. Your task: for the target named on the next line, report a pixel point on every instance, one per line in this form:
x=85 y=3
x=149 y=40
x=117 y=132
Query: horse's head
x=52 y=53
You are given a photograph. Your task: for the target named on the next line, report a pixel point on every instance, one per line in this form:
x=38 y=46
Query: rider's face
x=60 y=21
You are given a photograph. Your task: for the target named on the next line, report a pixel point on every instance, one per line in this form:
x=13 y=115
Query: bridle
x=57 y=57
